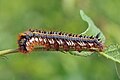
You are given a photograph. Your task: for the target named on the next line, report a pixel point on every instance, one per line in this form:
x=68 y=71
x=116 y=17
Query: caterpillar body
x=58 y=41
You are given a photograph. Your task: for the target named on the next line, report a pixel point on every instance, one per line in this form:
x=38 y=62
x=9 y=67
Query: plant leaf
x=92 y=28
x=113 y=52
x=83 y=53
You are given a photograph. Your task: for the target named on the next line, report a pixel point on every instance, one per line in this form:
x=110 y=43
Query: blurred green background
x=58 y=15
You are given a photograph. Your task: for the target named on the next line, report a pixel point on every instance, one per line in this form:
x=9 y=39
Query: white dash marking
x=58 y=42
x=36 y=39
x=40 y=39
x=45 y=40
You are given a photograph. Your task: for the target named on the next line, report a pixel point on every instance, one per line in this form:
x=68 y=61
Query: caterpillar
x=59 y=41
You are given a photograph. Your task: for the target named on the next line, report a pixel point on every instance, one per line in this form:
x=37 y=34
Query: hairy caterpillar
x=58 y=41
